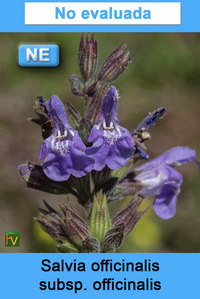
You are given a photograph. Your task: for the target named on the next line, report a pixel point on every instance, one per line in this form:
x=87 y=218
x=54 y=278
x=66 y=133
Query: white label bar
x=103 y=13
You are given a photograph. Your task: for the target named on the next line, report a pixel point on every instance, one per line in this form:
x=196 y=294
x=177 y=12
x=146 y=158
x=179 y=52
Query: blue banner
x=105 y=16
x=108 y=275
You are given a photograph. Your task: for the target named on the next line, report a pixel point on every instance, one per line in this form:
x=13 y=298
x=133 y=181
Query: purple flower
x=112 y=144
x=140 y=134
x=63 y=151
x=162 y=180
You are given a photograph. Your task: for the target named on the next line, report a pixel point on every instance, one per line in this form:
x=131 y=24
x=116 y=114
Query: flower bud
x=68 y=229
x=91 y=245
x=87 y=56
x=77 y=85
x=50 y=221
x=43 y=119
x=115 y=64
x=93 y=112
x=90 y=89
x=129 y=216
x=99 y=218
x=74 y=226
x=113 y=238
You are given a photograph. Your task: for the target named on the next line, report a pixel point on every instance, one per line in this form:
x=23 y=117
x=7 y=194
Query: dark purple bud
x=115 y=64
x=43 y=119
x=77 y=85
x=74 y=226
x=151 y=119
x=34 y=177
x=94 y=110
x=50 y=209
x=90 y=89
x=70 y=227
x=52 y=223
x=129 y=216
x=113 y=238
x=88 y=56
x=91 y=245
x=52 y=227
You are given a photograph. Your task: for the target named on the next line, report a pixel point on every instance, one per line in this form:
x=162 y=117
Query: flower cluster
x=64 y=152
x=93 y=157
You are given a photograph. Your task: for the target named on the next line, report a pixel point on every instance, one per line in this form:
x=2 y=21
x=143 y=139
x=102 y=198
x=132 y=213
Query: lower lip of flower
x=60 y=146
x=111 y=136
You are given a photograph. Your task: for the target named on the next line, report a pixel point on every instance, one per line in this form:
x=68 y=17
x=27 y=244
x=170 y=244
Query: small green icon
x=12 y=239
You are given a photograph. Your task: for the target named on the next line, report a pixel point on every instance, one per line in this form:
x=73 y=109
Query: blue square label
x=38 y=55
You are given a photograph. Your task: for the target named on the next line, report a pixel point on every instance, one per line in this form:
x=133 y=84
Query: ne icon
x=41 y=54
x=38 y=55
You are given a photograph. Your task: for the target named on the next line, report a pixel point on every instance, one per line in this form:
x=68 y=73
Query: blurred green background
x=165 y=72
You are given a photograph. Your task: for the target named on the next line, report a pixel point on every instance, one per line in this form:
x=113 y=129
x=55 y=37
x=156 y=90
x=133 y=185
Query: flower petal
x=110 y=104
x=57 y=110
x=156 y=177
x=77 y=141
x=174 y=157
x=98 y=151
x=165 y=202
x=45 y=147
x=94 y=134
x=142 y=153
x=119 y=154
x=55 y=167
x=151 y=119
x=127 y=136
x=152 y=179
x=178 y=155
x=78 y=163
